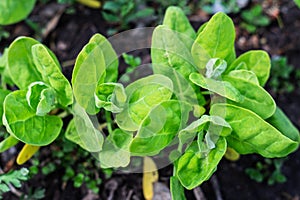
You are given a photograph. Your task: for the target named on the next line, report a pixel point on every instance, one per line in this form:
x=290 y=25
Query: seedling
x=12 y=178
x=269 y=170
x=282 y=74
x=199 y=100
x=254 y=18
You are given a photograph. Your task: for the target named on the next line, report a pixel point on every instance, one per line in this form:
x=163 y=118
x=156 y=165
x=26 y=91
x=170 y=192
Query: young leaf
x=246 y=75
x=159 y=128
x=15 y=11
x=176 y=20
x=281 y=122
x=215 y=124
x=51 y=74
x=223 y=88
x=257 y=61
x=215 y=67
x=26 y=153
x=110 y=96
x=7 y=143
x=142 y=96
x=41 y=98
x=115 y=152
x=255 y=97
x=81 y=131
x=22 y=123
x=251 y=134
x=216 y=40
x=193 y=170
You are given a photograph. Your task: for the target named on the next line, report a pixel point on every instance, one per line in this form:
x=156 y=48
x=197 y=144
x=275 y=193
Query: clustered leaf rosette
x=35 y=70
x=154 y=112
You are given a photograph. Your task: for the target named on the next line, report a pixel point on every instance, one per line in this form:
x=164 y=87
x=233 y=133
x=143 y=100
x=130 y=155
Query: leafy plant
x=123 y=12
x=14 y=178
x=254 y=18
x=152 y=113
x=14 y=11
x=199 y=100
x=282 y=75
x=269 y=170
x=214 y=6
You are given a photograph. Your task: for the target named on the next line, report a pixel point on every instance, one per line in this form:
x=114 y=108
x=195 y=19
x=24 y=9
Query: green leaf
x=160 y=127
x=215 y=67
x=22 y=123
x=51 y=74
x=216 y=40
x=257 y=61
x=193 y=170
x=251 y=134
x=223 y=88
x=7 y=143
x=167 y=50
x=89 y=68
x=5 y=76
x=214 y=124
x=115 y=152
x=95 y=64
x=20 y=59
x=142 y=96
x=14 y=11
x=297 y=2
x=246 y=75
x=171 y=58
x=176 y=20
x=13 y=177
x=81 y=131
x=41 y=98
x=177 y=191
x=282 y=123
x=255 y=97
x=111 y=97
x=3 y=94
x=110 y=57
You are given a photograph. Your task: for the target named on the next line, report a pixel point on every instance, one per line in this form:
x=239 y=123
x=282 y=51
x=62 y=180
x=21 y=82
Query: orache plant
x=199 y=100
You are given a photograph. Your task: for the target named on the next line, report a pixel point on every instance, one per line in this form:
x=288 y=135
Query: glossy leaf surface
x=142 y=96
x=52 y=75
x=159 y=128
x=251 y=134
x=193 y=170
x=12 y=11
x=216 y=40
x=254 y=97
x=257 y=61
x=21 y=121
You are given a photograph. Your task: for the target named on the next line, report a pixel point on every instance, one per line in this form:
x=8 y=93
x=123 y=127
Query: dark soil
x=73 y=31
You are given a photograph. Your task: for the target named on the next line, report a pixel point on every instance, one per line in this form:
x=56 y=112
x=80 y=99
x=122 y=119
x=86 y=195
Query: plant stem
x=109 y=122
x=63 y=114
